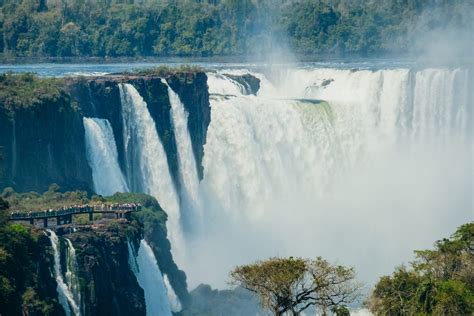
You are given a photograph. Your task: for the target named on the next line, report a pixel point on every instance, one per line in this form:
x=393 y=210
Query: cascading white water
x=172 y=297
x=149 y=276
x=65 y=290
x=72 y=280
x=220 y=84
x=102 y=156
x=140 y=130
x=350 y=178
x=186 y=160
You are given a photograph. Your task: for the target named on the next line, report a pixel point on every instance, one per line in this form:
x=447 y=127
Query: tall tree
x=291 y=285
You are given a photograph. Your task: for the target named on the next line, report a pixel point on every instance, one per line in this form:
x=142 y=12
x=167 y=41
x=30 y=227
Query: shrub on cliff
x=27 y=90
x=52 y=198
x=165 y=70
x=439 y=281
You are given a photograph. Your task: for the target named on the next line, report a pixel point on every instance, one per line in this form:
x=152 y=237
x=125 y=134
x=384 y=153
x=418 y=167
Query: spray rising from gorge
x=333 y=162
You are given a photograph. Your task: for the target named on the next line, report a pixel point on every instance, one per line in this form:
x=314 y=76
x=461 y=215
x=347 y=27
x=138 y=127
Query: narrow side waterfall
x=324 y=151
x=172 y=297
x=65 y=290
x=102 y=156
x=149 y=276
x=148 y=156
x=186 y=160
x=72 y=279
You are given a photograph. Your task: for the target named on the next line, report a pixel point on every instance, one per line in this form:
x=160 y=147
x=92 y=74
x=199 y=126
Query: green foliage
x=217 y=27
x=21 y=252
x=165 y=70
x=27 y=90
x=291 y=285
x=23 y=248
x=152 y=217
x=51 y=199
x=440 y=281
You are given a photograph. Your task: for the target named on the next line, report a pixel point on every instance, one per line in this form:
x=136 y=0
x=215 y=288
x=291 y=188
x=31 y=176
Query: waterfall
x=333 y=162
x=102 y=156
x=186 y=160
x=68 y=291
x=146 y=154
x=72 y=280
x=149 y=276
x=172 y=297
x=220 y=84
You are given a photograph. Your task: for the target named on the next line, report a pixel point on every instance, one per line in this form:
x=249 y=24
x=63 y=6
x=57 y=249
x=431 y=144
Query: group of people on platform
x=121 y=207
x=74 y=209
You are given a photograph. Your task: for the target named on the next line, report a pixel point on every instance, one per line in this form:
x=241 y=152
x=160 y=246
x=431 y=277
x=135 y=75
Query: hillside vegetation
x=437 y=282
x=114 y=28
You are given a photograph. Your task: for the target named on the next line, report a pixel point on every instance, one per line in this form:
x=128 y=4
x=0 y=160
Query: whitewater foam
x=335 y=162
x=101 y=152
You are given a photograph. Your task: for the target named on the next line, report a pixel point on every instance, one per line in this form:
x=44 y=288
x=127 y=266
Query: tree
x=294 y=284
x=439 y=281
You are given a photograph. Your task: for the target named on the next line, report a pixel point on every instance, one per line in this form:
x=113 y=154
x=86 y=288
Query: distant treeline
x=107 y=28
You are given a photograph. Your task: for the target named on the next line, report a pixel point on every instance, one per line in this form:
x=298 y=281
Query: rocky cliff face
x=193 y=92
x=27 y=284
x=44 y=143
x=100 y=97
x=107 y=284
x=251 y=84
x=94 y=261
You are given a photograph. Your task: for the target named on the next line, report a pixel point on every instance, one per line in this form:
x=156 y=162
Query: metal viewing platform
x=64 y=215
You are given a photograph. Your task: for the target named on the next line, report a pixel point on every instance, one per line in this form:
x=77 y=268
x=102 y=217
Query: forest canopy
x=144 y=28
